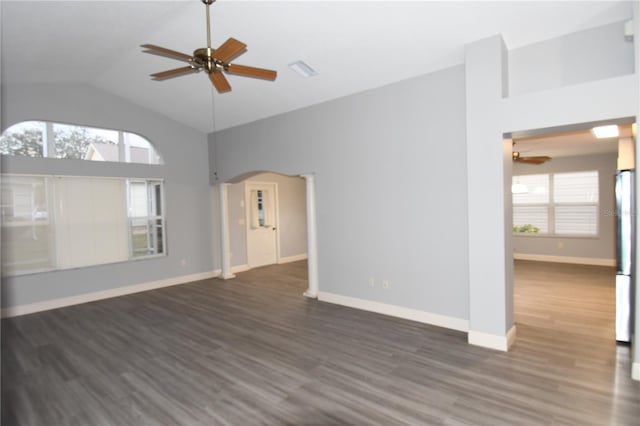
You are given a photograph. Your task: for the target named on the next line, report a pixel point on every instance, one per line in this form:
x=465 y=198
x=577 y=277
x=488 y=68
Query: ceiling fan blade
x=252 y=71
x=162 y=51
x=534 y=160
x=174 y=73
x=230 y=49
x=220 y=82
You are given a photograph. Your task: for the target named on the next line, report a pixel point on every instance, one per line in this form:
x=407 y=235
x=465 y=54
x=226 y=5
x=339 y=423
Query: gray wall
x=602 y=247
x=292 y=227
x=575 y=58
x=187 y=191
x=390 y=187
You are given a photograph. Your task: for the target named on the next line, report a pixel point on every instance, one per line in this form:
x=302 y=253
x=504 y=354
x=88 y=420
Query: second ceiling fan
x=215 y=62
x=534 y=159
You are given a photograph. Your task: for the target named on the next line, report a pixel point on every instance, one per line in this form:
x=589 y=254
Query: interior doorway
x=267 y=220
x=564 y=232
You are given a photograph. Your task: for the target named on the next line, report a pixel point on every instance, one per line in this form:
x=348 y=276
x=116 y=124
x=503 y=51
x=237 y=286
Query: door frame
x=249 y=185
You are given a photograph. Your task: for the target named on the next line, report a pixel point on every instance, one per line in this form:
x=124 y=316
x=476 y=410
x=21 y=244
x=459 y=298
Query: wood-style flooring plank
x=254 y=351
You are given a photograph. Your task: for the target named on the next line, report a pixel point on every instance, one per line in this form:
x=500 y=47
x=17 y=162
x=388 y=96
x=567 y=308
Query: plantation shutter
x=576 y=203
x=531 y=203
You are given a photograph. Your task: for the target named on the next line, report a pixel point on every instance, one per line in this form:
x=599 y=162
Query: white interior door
x=262 y=221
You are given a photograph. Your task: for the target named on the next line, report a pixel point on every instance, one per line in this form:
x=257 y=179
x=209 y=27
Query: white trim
x=239 y=268
x=635 y=371
x=309 y=294
x=31 y=308
x=565 y=259
x=492 y=341
x=396 y=311
x=294 y=258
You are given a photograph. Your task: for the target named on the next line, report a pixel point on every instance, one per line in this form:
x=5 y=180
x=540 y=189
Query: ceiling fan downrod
x=207 y=4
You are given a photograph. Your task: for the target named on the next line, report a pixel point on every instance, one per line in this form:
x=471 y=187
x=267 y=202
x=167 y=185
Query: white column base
x=635 y=371
x=227 y=276
x=310 y=294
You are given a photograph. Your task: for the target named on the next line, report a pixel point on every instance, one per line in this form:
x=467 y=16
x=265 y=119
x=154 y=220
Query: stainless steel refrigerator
x=624 y=255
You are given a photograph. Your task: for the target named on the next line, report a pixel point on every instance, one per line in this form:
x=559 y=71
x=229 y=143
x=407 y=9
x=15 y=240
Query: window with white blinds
x=62 y=222
x=531 y=204
x=27 y=229
x=556 y=204
x=575 y=199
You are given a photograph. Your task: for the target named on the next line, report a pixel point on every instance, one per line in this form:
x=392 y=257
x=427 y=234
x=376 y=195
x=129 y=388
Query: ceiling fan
x=215 y=62
x=536 y=159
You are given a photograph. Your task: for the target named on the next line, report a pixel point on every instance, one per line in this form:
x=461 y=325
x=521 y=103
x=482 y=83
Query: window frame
x=148 y=219
x=49 y=149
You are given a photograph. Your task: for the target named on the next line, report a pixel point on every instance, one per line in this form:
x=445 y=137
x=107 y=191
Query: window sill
x=44 y=271
x=577 y=237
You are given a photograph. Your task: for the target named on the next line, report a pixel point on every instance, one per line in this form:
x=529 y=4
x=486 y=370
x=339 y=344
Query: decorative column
x=312 y=244
x=224 y=233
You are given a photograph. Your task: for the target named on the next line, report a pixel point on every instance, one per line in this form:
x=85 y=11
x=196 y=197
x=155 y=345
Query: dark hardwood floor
x=253 y=351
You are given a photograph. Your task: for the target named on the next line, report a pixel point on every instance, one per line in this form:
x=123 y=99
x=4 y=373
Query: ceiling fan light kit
x=215 y=62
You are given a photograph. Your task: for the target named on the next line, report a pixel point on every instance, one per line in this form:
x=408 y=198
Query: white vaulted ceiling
x=354 y=46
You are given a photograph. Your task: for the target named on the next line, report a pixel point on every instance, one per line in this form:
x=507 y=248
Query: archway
x=225 y=225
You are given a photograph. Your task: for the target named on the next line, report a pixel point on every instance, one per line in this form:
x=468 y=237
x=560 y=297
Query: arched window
x=57 y=140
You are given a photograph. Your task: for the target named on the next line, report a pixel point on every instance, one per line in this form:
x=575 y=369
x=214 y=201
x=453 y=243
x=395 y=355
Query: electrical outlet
x=372 y=282
x=385 y=284
x=183 y=262
x=560 y=244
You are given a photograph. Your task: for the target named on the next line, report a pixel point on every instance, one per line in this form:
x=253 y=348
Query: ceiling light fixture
x=303 y=69
x=605 y=132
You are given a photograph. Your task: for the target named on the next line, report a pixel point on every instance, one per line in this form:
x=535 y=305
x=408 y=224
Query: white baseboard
x=31 y=308
x=396 y=311
x=565 y=259
x=492 y=341
x=239 y=268
x=635 y=371
x=295 y=258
